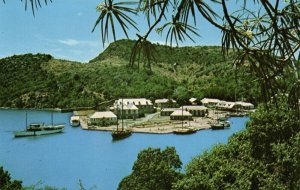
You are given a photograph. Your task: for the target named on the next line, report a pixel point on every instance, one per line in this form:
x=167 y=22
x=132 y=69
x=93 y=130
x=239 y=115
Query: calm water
x=60 y=160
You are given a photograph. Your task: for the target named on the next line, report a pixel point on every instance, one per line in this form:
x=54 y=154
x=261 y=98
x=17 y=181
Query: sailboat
x=221 y=123
x=37 y=129
x=184 y=130
x=120 y=134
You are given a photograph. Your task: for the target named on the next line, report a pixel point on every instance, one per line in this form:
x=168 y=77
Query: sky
x=63 y=29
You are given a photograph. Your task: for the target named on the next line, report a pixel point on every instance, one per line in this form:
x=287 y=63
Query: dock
x=164 y=128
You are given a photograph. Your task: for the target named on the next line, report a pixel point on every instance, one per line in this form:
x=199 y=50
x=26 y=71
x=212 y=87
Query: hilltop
x=41 y=81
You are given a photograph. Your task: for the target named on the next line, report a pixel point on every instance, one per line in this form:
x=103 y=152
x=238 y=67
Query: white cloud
x=73 y=42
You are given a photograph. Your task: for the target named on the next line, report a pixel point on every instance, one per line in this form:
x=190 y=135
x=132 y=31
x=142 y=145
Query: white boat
x=75 y=121
x=36 y=129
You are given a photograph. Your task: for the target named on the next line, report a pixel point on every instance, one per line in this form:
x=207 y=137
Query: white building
x=144 y=105
x=197 y=111
x=245 y=105
x=209 y=102
x=103 y=118
x=181 y=115
x=165 y=103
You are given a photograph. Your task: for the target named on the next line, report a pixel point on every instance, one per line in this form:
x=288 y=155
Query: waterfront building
x=130 y=111
x=165 y=103
x=103 y=118
x=209 y=102
x=167 y=111
x=181 y=115
x=234 y=106
x=144 y=105
x=229 y=106
x=244 y=106
x=196 y=111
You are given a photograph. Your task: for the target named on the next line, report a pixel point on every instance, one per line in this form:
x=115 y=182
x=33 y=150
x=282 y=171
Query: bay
x=61 y=160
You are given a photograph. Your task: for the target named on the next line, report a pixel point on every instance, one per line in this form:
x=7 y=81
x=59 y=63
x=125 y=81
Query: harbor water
x=61 y=160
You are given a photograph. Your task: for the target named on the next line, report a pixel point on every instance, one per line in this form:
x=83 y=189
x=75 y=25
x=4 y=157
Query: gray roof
x=194 y=107
x=104 y=114
x=181 y=113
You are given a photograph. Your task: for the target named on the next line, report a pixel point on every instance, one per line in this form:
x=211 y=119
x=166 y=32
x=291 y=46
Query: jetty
x=155 y=128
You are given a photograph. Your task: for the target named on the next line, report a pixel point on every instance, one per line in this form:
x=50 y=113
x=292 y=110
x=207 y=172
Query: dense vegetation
x=40 y=81
x=264 y=156
x=6 y=183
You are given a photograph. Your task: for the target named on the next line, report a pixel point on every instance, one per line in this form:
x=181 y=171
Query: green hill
x=41 y=81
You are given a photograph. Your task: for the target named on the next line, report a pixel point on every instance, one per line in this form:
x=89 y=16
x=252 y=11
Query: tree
x=264 y=156
x=34 y=4
x=265 y=36
x=266 y=41
x=182 y=95
x=154 y=169
x=6 y=183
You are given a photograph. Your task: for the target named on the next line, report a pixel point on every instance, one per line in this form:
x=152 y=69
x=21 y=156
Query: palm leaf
x=34 y=4
x=142 y=50
x=177 y=31
x=111 y=12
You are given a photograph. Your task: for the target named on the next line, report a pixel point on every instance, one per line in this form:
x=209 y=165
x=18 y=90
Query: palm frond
x=34 y=4
x=142 y=50
x=177 y=31
x=111 y=12
x=150 y=8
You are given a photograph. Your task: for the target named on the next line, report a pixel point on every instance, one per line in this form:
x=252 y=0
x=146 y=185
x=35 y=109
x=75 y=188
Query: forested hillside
x=41 y=81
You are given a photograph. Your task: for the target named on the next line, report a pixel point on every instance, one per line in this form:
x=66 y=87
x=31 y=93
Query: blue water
x=61 y=160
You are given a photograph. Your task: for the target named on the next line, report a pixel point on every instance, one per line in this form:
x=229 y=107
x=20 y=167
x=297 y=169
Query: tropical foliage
x=154 y=169
x=6 y=183
x=33 y=4
x=40 y=81
x=265 y=37
x=264 y=156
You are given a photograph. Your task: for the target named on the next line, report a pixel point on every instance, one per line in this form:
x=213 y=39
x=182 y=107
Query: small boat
x=75 y=121
x=36 y=129
x=220 y=125
x=120 y=134
x=184 y=131
x=237 y=114
x=222 y=118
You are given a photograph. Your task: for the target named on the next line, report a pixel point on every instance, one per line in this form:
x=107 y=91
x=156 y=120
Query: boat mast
x=182 y=117
x=117 y=115
x=122 y=116
x=26 y=120
x=52 y=118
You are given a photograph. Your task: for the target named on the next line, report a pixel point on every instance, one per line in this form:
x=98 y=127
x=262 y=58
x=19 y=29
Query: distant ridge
x=41 y=81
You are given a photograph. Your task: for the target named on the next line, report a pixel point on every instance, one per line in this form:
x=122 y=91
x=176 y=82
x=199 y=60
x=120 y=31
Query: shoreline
x=198 y=124
x=33 y=109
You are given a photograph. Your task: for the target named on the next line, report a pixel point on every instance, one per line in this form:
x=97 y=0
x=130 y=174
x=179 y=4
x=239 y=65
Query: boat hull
x=75 y=124
x=217 y=127
x=75 y=121
x=117 y=135
x=36 y=133
x=220 y=125
x=184 y=131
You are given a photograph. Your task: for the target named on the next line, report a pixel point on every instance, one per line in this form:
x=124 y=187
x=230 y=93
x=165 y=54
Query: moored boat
x=120 y=134
x=220 y=125
x=39 y=129
x=75 y=121
x=184 y=131
x=123 y=133
x=237 y=114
